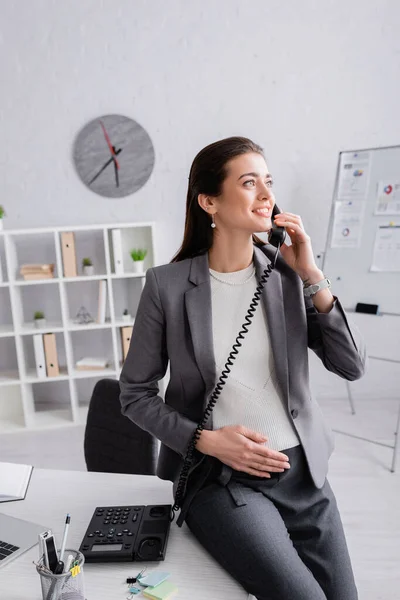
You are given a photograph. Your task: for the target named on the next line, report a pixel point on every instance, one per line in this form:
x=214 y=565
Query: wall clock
x=113 y=156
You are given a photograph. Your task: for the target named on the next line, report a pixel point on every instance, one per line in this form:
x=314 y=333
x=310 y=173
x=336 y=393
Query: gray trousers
x=280 y=538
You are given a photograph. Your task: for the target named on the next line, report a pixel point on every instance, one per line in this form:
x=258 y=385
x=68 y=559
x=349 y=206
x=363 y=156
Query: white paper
x=386 y=255
x=353 y=175
x=91 y=361
x=14 y=480
x=347 y=224
x=388 y=198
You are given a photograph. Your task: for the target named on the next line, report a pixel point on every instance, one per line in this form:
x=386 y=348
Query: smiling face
x=246 y=201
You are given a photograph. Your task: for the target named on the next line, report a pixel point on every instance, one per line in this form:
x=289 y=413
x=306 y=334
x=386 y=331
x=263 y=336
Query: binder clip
x=132 y=590
x=130 y=580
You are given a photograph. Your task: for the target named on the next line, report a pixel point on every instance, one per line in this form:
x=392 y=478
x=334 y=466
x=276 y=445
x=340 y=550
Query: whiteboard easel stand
x=353 y=412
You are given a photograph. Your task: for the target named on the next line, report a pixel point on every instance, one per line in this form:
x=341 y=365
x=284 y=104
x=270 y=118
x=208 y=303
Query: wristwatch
x=310 y=290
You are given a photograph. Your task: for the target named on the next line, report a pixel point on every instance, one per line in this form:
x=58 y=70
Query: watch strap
x=310 y=290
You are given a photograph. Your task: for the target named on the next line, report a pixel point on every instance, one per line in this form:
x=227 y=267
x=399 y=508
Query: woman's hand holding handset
x=243 y=450
x=300 y=257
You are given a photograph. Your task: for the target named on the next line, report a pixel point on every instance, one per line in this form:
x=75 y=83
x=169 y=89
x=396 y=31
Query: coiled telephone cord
x=188 y=460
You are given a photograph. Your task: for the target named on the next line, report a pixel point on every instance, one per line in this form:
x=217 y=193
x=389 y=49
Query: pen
x=64 y=540
x=68 y=563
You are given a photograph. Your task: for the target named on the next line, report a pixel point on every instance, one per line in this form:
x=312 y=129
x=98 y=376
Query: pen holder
x=66 y=586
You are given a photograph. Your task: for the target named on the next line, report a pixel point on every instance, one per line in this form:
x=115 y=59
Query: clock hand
x=116 y=173
x=111 y=147
x=104 y=166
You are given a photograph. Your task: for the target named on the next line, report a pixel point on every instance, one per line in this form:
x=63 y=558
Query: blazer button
x=295 y=413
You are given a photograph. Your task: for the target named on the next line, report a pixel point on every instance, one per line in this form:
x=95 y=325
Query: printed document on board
x=347 y=224
x=354 y=173
x=386 y=255
x=388 y=198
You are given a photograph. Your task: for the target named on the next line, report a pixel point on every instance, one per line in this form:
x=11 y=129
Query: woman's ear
x=206 y=203
x=202 y=200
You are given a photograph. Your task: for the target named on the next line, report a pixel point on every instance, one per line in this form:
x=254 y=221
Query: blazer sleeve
x=338 y=344
x=145 y=364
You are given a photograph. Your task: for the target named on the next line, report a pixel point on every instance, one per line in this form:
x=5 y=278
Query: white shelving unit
x=25 y=400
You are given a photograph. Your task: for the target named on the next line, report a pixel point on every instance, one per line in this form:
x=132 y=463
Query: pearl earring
x=213 y=223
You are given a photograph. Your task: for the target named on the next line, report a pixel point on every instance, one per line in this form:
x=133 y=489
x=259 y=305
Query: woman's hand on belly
x=243 y=450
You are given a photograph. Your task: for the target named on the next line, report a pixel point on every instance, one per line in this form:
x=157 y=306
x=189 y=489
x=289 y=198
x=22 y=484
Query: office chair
x=112 y=443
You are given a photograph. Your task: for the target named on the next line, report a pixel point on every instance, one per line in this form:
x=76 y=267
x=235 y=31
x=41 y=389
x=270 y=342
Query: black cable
x=188 y=460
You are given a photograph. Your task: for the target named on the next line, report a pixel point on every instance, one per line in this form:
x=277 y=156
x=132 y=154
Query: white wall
x=304 y=79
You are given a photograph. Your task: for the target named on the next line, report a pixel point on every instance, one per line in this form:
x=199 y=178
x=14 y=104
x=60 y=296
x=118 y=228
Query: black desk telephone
x=127 y=533
x=276 y=237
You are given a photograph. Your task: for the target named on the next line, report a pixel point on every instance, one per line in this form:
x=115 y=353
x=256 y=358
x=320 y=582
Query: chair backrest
x=113 y=444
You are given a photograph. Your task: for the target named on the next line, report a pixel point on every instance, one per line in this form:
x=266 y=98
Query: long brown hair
x=207 y=174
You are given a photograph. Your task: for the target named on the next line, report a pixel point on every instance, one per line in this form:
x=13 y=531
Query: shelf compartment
x=8 y=361
x=9 y=377
x=89 y=243
x=6 y=321
x=96 y=343
x=131 y=237
x=126 y=294
x=50 y=402
x=30 y=363
x=11 y=410
x=32 y=247
x=39 y=298
x=84 y=294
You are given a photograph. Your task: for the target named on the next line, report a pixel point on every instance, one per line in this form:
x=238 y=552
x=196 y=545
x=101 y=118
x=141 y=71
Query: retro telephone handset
x=276 y=237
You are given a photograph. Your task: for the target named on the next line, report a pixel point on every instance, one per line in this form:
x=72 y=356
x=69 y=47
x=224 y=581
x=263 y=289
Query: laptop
x=16 y=536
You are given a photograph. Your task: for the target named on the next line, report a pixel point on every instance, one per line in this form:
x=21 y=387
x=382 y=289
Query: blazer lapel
x=272 y=299
x=198 y=307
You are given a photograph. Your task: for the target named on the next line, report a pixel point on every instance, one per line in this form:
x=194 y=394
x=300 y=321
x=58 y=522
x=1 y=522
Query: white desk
x=52 y=494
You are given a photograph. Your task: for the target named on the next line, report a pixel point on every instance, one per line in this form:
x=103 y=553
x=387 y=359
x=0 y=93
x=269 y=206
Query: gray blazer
x=173 y=323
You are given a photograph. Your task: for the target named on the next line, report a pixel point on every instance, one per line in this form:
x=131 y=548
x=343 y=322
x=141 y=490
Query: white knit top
x=251 y=395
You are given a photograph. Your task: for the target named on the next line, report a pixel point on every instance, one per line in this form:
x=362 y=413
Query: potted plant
x=138 y=256
x=87 y=266
x=126 y=316
x=2 y=215
x=39 y=319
